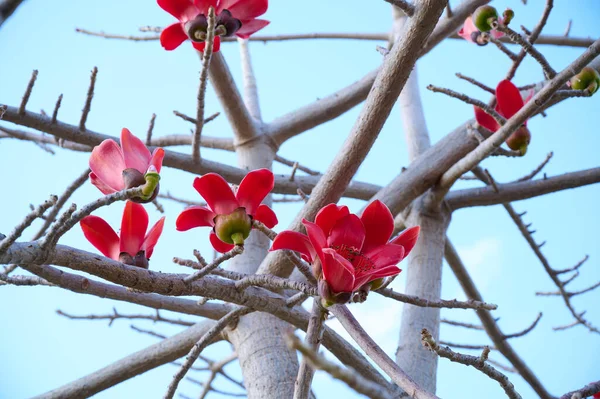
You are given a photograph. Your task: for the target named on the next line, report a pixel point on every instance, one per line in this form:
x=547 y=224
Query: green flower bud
x=376 y=284
x=328 y=298
x=233 y=228
x=507 y=16
x=483 y=18
x=519 y=140
x=149 y=183
x=588 y=78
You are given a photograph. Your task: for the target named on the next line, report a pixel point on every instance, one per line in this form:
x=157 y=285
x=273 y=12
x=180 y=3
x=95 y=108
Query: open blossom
x=470 y=33
x=352 y=250
x=230 y=213
x=116 y=168
x=233 y=17
x=132 y=246
x=508 y=102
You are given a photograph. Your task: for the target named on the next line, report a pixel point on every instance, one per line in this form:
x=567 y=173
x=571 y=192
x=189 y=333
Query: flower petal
x=202 y=5
x=201 y=45
x=180 y=9
x=378 y=223
x=509 y=98
x=133 y=228
x=101 y=236
x=217 y=193
x=317 y=238
x=486 y=120
x=253 y=189
x=107 y=164
x=172 y=36
x=194 y=216
x=348 y=232
x=386 y=255
x=408 y=238
x=152 y=237
x=328 y=216
x=294 y=241
x=219 y=245
x=367 y=278
x=467 y=28
x=250 y=27
x=157 y=159
x=266 y=216
x=337 y=271
x=135 y=152
x=100 y=184
x=245 y=9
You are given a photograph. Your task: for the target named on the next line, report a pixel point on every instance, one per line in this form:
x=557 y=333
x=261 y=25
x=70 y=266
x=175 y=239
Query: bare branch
x=314 y=335
x=426 y=303
x=150 y=130
x=525 y=331
x=405 y=6
x=476 y=83
x=88 y=100
x=574 y=268
x=28 y=90
x=238 y=249
x=116 y=315
x=537 y=170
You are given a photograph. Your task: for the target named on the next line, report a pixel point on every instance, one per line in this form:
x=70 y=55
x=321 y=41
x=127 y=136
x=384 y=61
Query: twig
x=264 y=229
x=426 y=303
x=56 y=107
x=150 y=130
x=568 y=28
x=503 y=48
x=287 y=162
x=479 y=362
x=24 y=280
x=28 y=90
x=314 y=335
x=88 y=100
x=574 y=268
x=408 y=8
x=238 y=249
x=193 y=120
x=462 y=324
x=476 y=83
x=536 y=170
x=525 y=331
x=466 y=346
x=116 y=315
x=588 y=390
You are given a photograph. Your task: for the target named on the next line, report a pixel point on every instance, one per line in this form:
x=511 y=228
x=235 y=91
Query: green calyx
x=148 y=189
x=484 y=17
x=233 y=228
x=519 y=140
x=588 y=79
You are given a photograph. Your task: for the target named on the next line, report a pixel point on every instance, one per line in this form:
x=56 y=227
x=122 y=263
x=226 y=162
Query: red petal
x=468 y=28
x=203 y=5
x=348 y=231
x=219 y=245
x=337 y=271
x=485 y=120
x=380 y=273
x=509 y=98
x=245 y=9
x=317 y=238
x=266 y=216
x=172 y=36
x=378 y=223
x=157 y=159
x=294 y=241
x=217 y=193
x=152 y=237
x=386 y=255
x=194 y=216
x=101 y=236
x=107 y=164
x=135 y=152
x=408 y=238
x=200 y=45
x=250 y=27
x=100 y=184
x=328 y=216
x=253 y=189
x=133 y=228
x=180 y=9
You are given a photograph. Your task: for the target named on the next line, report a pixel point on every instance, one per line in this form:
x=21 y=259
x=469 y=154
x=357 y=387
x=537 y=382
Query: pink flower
x=230 y=213
x=352 y=250
x=133 y=246
x=470 y=33
x=115 y=168
x=233 y=17
x=508 y=103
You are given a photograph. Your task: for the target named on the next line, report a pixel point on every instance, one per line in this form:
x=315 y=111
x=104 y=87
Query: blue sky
x=41 y=350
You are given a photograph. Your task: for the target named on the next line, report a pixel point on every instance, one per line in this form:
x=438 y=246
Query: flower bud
x=480 y=38
x=233 y=228
x=377 y=284
x=519 y=140
x=124 y=257
x=483 y=18
x=507 y=16
x=588 y=78
x=140 y=260
x=133 y=178
x=226 y=24
x=196 y=28
x=329 y=298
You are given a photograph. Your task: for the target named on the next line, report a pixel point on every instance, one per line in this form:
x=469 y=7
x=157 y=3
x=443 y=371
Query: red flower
x=134 y=246
x=352 y=250
x=115 y=168
x=597 y=395
x=233 y=17
x=470 y=33
x=508 y=103
x=230 y=214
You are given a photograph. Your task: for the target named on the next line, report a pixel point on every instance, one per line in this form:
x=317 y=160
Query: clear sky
x=41 y=350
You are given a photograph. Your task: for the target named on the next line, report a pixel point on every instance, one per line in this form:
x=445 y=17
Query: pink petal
x=408 y=238
x=245 y=9
x=497 y=34
x=468 y=28
x=328 y=216
x=172 y=36
x=347 y=232
x=294 y=241
x=135 y=152
x=317 y=238
x=152 y=237
x=380 y=273
x=253 y=189
x=157 y=158
x=219 y=245
x=194 y=216
x=378 y=223
x=509 y=98
x=386 y=255
x=217 y=193
x=107 y=164
x=101 y=236
x=266 y=216
x=180 y=9
x=133 y=228
x=486 y=120
x=202 y=6
x=250 y=27
x=100 y=184
x=337 y=271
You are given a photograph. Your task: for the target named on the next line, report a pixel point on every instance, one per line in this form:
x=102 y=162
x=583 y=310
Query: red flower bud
x=484 y=16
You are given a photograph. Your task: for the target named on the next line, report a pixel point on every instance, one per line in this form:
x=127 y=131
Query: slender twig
x=116 y=315
x=503 y=48
x=525 y=331
x=574 y=268
x=88 y=100
x=588 y=390
x=150 y=130
x=461 y=324
x=24 y=280
x=314 y=335
x=194 y=120
x=426 y=303
x=287 y=162
x=52 y=237
x=56 y=107
x=537 y=170
x=466 y=346
x=28 y=90
x=408 y=8
x=476 y=83
x=238 y=249
x=258 y=225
